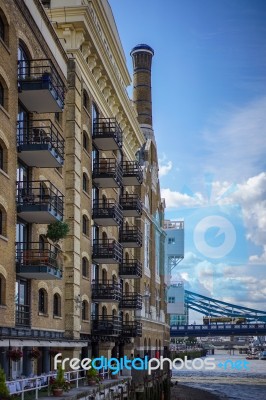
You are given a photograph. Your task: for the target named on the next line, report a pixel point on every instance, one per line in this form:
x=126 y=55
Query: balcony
x=107 y=252
x=23 y=315
x=131 y=301
x=40 y=88
x=132 y=173
x=107 y=173
x=107 y=213
x=35 y=263
x=40 y=144
x=131 y=329
x=131 y=236
x=130 y=269
x=39 y=202
x=131 y=205
x=106 y=325
x=107 y=134
x=107 y=291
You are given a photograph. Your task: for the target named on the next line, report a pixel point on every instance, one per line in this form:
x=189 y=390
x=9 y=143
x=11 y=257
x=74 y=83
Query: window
x=85 y=267
x=2 y=29
x=57 y=305
x=43 y=301
x=3 y=222
x=85 y=225
x=23 y=61
x=85 y=100
x=171 y=240
x=85 y=141
x=2 y=290
x=1 y=157
x=85 y=310
x=85 y=183
x=171 y=300
x=1 y=95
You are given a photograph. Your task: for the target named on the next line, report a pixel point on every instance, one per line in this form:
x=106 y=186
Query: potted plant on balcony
x=4 y=392
x=15 y=354
x=93 y=376
x=59 y=385
x=56 y=231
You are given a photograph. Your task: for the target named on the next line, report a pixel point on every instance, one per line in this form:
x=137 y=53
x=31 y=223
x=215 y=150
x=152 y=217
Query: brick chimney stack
x=142 y=60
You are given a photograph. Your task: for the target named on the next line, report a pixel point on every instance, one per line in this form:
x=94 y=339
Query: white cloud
x=165 y=169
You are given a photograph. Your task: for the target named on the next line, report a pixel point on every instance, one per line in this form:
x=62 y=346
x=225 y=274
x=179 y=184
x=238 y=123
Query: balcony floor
x=106 y=182
x=106 y=143
x=38 y=99
x=131 y=181
x=40 y=156
x=39 y=214
x=39 y=272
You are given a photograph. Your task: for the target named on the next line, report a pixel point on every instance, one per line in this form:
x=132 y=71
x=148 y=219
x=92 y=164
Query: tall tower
x=142 y=59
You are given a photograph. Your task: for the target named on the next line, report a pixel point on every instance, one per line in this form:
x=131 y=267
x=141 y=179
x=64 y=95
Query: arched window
x=1 y=157
x=2 y=95
x=1 y=222
x=104 y=275
x=126 y=288
x=43 y=301
x=85 y=141
x=85 y=225
x=85 y=183
x=2 y=290
x=85 y=267
x=23 y=61
x=3 y=227
x=85 y=99
x=104 y=311
x=57 y=305
x=2 y=29
x=85 y=310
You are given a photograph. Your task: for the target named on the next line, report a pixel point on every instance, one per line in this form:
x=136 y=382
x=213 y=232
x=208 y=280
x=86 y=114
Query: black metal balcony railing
x=39 y=201
x=132 y=173
x=41 y=89
x=23 y=315
x=106 y=325
x=106 y=291
x=131 y=301
x=107 y=173
x=107 y=134
x=34 y=262
x=107 y=212
x=131 y=329
x=131 y=205
x=40 y=144
x=130 y=269
x=107 y=251
x=131 y=236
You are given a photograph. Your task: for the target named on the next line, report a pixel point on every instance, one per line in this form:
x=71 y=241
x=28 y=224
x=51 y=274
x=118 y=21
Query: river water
x=229 y=380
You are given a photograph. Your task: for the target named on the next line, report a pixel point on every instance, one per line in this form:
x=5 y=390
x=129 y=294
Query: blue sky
x=209 y=115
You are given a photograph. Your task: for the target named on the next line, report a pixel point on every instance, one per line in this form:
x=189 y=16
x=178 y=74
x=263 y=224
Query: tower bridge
x=254 y=321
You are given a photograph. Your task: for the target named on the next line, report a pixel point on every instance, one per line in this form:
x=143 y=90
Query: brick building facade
x=74 y=148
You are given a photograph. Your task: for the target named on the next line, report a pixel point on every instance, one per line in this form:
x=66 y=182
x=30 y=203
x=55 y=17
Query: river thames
x=246 y=382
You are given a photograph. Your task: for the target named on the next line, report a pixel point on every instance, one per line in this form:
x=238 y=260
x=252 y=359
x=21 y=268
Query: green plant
x=93 y=375
x=4 y=392
x=59 y=382
x=56 y=231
